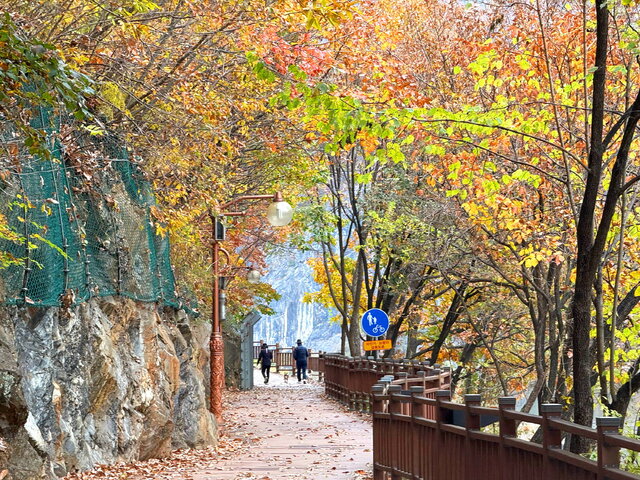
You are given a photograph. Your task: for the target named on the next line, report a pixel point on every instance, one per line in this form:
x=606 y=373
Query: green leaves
x=364 y=177
x=394 y=153
x=32 y=75
x=526 y=177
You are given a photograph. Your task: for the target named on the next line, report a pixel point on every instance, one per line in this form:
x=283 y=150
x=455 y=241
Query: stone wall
x=110 y=380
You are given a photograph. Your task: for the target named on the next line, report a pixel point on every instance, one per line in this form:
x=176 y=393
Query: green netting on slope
x=99 y=218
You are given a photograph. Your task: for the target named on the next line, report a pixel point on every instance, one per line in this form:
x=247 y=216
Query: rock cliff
x=292 y=278
x=109 y=380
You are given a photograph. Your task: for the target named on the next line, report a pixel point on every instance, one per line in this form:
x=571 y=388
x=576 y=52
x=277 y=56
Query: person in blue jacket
x=300 y=355
x=265 y=357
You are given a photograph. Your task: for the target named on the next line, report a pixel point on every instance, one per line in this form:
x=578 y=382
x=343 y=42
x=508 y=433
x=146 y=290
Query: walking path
x=277 y=431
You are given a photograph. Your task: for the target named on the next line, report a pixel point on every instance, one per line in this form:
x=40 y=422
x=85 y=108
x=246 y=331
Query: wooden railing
x=418 y=433
x=257 y=346
x=349 y=379
x=283 y=357
x=284 y=362
x=316 y=364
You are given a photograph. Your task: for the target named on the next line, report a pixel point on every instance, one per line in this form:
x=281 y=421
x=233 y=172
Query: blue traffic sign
x=375 y=322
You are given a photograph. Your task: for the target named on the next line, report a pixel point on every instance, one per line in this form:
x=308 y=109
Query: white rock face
x=114 y=380
x=291 y=277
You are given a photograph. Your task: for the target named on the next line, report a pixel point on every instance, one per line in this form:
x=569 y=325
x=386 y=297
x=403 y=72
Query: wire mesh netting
x=85 y=225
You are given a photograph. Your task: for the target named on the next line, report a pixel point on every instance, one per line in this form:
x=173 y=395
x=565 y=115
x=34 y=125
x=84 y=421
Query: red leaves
x=310 y=58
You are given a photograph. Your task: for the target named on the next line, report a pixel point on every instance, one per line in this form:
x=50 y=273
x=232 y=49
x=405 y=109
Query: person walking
x=265 y=358
x=300 y=355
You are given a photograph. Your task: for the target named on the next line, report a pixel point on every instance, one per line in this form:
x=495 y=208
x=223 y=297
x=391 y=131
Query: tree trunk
x=582 y=361
x=623 y=396
x=354 y=327
x=455 y=309
x=585 y=267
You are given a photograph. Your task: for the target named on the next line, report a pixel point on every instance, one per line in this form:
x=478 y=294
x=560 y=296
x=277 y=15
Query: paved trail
x=294 y=432
x=275 y=432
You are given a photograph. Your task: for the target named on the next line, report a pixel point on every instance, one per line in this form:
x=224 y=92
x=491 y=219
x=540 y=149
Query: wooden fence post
x=608 y=455
x=293 y=362
x=442 y=414
x=321 y=365
x=472 y=419
x=507 y=425
x=352 y=381
x=436 y=371
x=417 y=411
x=472 y=422
x=395 y=407
x=377 y=406
x=551 y=437
x=508 y=429
x=447 y=372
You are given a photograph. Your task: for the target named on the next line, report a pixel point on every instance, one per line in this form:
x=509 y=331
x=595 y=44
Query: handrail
x=436 y=438
x=571 y=427
x=349 y=379
x=522 y=417
x=283 y=358
x=623 y=442
x=420 y=433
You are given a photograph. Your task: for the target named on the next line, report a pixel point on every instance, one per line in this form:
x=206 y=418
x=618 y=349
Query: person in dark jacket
x=265 y=357
x=300 y=355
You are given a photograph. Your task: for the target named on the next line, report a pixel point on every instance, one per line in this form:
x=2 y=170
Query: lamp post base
x=216 y=347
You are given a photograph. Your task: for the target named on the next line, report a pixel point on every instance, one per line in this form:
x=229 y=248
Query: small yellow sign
x=377 y=345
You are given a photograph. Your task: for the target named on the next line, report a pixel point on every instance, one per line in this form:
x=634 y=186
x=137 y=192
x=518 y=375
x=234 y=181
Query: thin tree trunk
x=600 y=336
x=354 y=327
x=585 y=268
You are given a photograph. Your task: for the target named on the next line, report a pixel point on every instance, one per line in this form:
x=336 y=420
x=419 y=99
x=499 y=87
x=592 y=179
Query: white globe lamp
x=253 y=276
x=279 y=213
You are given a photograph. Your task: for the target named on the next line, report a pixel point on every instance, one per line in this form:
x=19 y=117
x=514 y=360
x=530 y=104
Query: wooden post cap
x=608 y=422
x=377 y=389
x=472 y=397
x=551 y=408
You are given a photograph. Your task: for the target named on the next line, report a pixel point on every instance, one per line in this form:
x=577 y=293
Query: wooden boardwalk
x=292 y=432
x=274 y=432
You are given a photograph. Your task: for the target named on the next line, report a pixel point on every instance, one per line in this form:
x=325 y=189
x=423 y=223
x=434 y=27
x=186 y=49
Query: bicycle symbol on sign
x=374 y=322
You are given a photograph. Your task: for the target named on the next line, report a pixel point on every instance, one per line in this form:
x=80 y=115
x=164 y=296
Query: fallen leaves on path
x=264 y=437
x=180 y=465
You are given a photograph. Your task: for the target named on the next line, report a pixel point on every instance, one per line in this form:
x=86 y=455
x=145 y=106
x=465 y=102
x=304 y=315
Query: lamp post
x=279 y=213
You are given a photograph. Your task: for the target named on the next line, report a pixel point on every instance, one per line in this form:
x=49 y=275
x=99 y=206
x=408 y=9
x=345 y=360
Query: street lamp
x=253 y=276
x=279 y=213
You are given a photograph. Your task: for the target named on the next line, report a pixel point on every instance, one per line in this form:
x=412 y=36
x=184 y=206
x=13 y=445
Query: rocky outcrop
x=109 y=380
x=291 y=276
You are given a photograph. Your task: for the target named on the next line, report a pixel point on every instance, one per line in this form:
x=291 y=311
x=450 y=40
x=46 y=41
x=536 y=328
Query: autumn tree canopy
x=471 y=169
